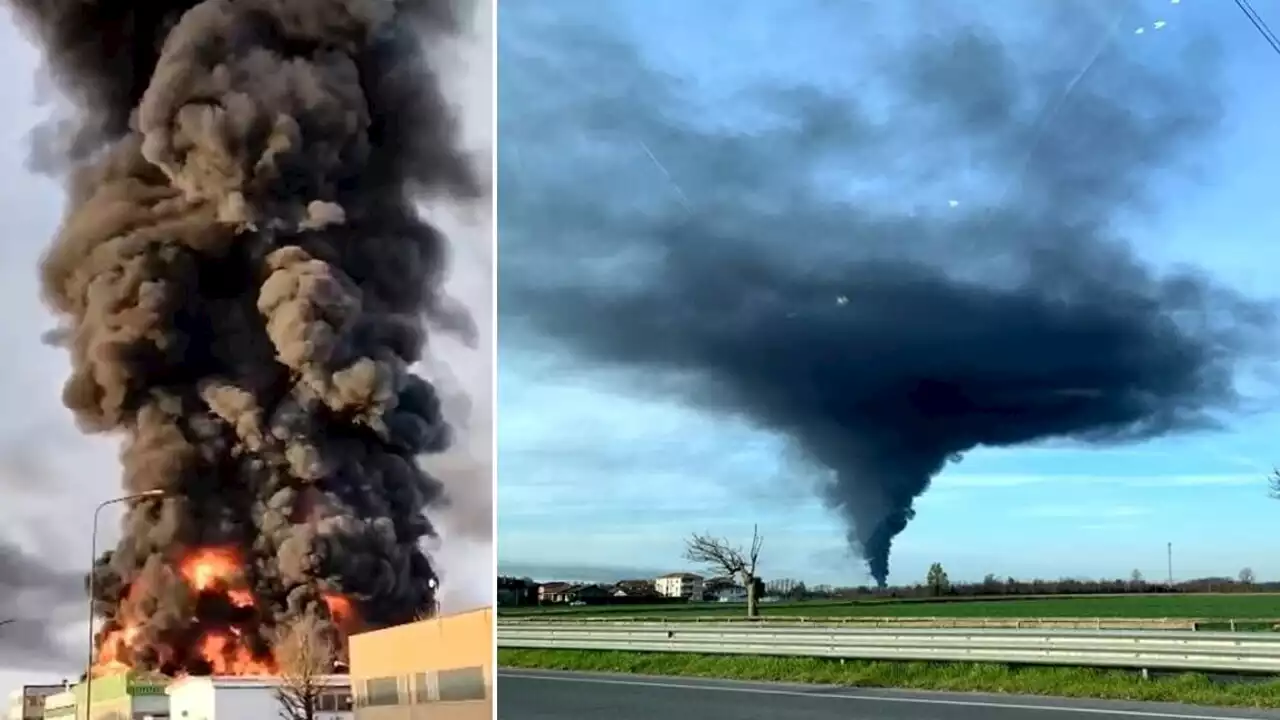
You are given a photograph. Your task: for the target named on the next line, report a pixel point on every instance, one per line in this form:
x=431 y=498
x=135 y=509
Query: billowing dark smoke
x=244 y=279
x=811 y=273
x=33 y=597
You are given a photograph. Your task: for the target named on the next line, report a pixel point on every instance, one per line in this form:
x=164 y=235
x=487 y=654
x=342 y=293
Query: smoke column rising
x=807 y=271
x=244 y=279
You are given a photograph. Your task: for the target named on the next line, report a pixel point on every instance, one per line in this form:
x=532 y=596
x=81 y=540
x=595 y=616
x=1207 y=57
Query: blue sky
x=600 y=478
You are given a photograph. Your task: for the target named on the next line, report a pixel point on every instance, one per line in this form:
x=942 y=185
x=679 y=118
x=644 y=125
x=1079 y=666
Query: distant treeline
x=1013 y=587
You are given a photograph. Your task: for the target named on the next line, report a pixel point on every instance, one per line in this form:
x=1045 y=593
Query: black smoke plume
x=244 y=281
x=812 y=274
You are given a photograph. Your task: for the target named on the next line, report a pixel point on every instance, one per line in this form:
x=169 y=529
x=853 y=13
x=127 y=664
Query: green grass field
x=960 y=677
x=1208 y=606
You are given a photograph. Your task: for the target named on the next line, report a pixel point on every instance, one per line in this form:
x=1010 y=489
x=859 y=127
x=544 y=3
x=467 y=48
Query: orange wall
x=452 y=641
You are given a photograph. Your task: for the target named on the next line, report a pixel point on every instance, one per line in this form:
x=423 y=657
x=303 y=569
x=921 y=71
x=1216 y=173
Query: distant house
x=553 y=592
x=635 y=589
x=562 y=592
x=727 y=593
x=681 y=585
x=589 y=593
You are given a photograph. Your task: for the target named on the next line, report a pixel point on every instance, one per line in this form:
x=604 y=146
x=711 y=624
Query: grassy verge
x=1187 y=688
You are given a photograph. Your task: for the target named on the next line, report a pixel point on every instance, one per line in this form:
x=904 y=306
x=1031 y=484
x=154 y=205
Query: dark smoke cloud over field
x=244 y=281
x=811 y=274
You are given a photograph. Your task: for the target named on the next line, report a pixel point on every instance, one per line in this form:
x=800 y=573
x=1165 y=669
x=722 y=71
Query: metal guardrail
x=1138 y=649
x=1089 y=623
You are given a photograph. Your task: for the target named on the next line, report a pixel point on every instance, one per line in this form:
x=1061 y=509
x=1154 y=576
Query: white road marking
x=869 y=698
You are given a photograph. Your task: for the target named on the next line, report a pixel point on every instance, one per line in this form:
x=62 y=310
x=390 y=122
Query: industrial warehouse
x=439 y=667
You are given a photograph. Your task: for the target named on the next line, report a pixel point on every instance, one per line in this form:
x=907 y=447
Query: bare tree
x=730 y=560
x=1246 y=576
x=1273 y=481
x=306 y=651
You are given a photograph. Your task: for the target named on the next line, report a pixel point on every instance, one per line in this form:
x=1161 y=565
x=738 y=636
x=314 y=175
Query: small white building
x=27 y=702
x=250 y=698
x=731 y=594
x=60 y=705
x=685 y=585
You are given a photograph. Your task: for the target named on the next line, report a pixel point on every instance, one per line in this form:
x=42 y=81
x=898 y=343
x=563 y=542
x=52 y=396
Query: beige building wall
x=440 y=669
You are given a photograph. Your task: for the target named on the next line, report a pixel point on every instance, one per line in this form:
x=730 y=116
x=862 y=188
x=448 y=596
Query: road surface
x=551 y=695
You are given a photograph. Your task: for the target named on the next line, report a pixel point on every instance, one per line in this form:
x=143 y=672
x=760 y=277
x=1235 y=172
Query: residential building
x=245 y=697
x=729 y=594
x=682 y=585
x=635 y=589
x=588 y=594
x=124 y=695
x=440 y=668
x=27 y=702
x=553 y=592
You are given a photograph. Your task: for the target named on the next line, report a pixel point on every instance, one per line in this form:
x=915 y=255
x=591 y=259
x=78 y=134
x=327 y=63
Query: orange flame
x=227 y=656
x=340 y=608
x=209 y=567
x=216 y=570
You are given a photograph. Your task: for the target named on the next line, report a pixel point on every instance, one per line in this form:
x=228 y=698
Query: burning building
x=244 y=281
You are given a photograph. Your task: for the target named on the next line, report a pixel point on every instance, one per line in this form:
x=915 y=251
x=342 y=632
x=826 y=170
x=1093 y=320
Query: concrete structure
x=27 y=702
x=732 y=594
x=127 y=696
x=441 y=668
x=250 y=698
x=683 y=585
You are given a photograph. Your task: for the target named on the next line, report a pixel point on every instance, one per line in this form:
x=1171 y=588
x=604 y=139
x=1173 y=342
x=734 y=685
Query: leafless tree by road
x=730 y=560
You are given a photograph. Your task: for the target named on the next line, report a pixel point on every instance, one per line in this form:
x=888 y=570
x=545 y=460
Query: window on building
x=381 y=692
x=326 y=702
x=424 y=688
x=462 y=684
x=342 y=701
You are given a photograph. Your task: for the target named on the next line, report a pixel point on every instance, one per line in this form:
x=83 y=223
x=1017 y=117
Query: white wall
x=230 y=699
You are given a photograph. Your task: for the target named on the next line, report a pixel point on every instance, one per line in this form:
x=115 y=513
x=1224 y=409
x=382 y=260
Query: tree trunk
x=753 y=606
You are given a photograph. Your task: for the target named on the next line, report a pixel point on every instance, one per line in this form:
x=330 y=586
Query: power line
x=1259 y=24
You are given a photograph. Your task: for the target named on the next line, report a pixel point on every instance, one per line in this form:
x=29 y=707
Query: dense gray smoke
x=245 y=282
x=803 y=260
x=32 y=596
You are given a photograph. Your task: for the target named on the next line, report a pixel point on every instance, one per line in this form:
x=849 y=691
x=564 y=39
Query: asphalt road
x=549 y=695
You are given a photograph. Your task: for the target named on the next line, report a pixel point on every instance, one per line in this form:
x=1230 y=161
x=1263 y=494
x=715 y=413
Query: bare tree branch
x=1274 y=483
x=716 y=553
x=731 y=560
x=306 y=651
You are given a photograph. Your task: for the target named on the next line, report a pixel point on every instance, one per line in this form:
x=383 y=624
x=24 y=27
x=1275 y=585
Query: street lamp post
x=93 y=559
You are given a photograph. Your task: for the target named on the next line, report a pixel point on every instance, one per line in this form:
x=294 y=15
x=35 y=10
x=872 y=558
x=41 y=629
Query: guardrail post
x=1146 y=674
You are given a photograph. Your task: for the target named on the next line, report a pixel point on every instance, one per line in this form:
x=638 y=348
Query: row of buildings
x=682 y=586
x=440 y=668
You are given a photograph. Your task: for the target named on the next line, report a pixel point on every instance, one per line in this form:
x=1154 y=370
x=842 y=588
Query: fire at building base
x=441 y=666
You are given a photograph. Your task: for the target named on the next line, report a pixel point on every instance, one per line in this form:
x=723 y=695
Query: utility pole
x=1169 y=552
